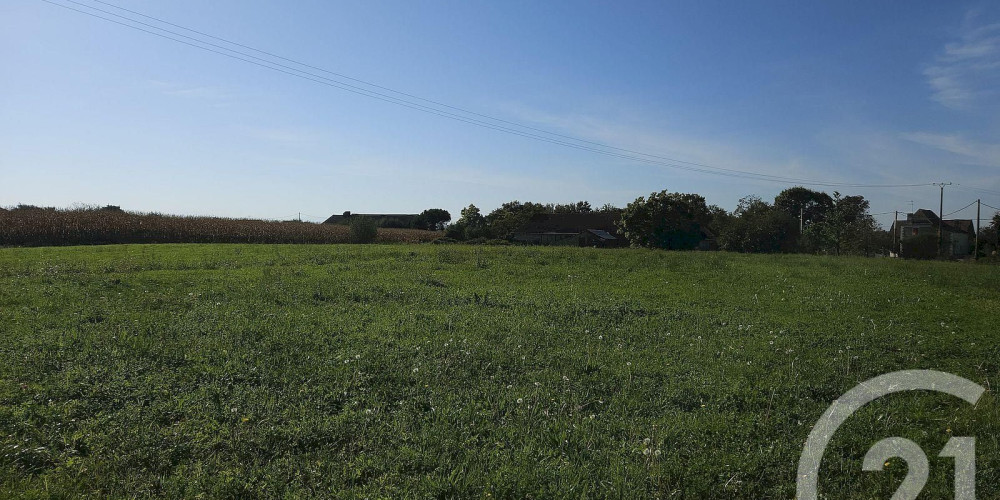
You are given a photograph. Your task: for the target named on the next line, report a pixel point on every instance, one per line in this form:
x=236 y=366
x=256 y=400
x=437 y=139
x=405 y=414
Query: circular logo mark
x=962 y=448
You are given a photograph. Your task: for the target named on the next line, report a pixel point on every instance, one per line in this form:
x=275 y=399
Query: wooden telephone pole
x=979 y=203
x=941 y=218
x=895 y=229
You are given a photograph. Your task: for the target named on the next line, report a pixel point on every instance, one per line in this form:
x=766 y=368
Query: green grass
x=449 y=371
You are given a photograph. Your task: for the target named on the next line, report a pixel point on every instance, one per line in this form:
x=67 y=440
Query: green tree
x=812 y=205
x=666 y=220
x=608 y=208
x=846 y=228
x=471 y=224
x=759 y=227
x=989 y=236
x=432 y=219
x=580 y=207
x=719 y=218
x=508 y=217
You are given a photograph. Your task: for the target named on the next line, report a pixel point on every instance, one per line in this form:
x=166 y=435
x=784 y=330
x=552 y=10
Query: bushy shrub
x=488 y=241
x=393 y=222
x=462 y=231
x=923 y=246
x=363 y=230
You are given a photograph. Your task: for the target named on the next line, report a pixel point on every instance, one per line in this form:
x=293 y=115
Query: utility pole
x=979 y=202
x=800 y=220
x=895 y=229
x=941 y=218
x=300 y=216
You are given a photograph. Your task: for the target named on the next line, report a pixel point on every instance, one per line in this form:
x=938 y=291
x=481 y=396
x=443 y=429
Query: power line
x=382 y=97
x=978 y=190
x=438 y=103
x=358 y=90
x=341 y=75
x=281 y=68
x=959 y=210
x=991 y=206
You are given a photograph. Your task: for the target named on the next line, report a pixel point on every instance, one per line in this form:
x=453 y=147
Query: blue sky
x=858 y=92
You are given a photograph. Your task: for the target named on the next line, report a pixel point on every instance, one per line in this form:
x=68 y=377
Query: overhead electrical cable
x=977 y=190
x=383 y=97
x=959 y=210
x=292 y=71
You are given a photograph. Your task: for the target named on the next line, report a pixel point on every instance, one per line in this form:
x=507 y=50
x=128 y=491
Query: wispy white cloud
x=974 y=152
x=967 y=71
x=745 y=153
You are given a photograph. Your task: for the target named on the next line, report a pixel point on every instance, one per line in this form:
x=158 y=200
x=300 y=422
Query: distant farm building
x=578 y=229
x=381 y=220
x=917 y=236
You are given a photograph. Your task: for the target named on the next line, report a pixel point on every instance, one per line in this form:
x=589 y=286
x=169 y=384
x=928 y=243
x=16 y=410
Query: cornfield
x=33 y=226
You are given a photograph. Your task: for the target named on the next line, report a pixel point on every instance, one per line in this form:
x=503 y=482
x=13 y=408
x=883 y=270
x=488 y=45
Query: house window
x=914 y=233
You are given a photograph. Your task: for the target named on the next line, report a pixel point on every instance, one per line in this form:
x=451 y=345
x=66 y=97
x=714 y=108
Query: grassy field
x=489 y=372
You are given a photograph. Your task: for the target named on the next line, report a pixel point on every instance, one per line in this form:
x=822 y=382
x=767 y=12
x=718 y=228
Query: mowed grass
x=443 y=371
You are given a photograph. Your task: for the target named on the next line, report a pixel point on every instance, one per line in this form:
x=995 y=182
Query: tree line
x=797 y=220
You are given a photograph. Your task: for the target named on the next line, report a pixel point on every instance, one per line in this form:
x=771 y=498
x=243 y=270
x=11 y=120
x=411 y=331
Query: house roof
x=342 y=217
x=924 y=215
x=960 y=225
x=602 y=234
